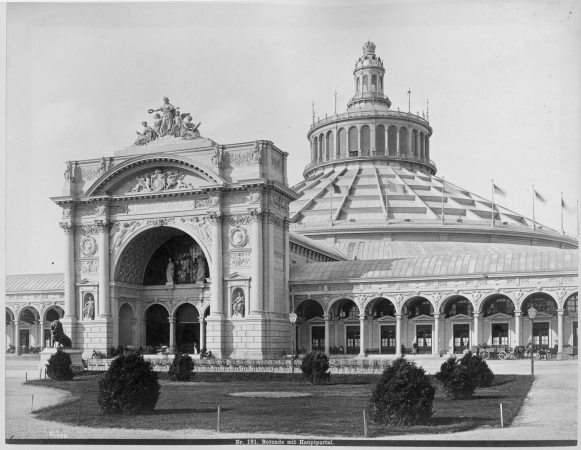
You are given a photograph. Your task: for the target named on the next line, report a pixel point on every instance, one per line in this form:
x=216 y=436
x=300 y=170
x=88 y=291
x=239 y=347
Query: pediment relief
x=460 y=317
x=236 y=277
x=386 y=319
x=86 y=282
x=351 y=320
x=146 y=175
x=423 y=318
x=316 y=320
x=499 y=316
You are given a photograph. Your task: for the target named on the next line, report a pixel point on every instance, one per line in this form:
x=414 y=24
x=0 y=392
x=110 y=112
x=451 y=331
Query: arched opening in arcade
x=349 y=329
x=167 y=266
x=458 y=323
x=544 y=326
x=499 y=325
x=310 y=329
x=572 y=322
x=53 y=313
x=419 y=319
x=9 y=330
x=28 y=334
x=383 y=326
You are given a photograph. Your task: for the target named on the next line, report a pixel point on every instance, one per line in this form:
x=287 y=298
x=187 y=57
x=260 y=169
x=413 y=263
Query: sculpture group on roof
x=169 y=123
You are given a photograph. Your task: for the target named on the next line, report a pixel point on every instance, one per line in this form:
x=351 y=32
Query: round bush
x=478 y=369
x=402 y=396
x=315 y=367
x=182 y=368
x=59 y=366
x=455 y=379
x=129 y=386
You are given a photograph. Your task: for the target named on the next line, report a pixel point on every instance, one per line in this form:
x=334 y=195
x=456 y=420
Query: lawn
x=333 y=409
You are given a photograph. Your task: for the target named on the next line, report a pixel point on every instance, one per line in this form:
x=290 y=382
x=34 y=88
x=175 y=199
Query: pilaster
x=257 y=269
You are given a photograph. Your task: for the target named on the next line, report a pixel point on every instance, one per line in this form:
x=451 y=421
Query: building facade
x=183 y=242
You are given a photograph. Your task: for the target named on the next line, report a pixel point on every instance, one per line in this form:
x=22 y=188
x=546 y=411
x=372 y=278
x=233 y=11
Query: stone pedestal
x=75 y=354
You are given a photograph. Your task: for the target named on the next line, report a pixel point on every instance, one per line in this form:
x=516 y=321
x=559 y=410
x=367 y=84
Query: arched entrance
x=126 y=325
x=348 y=314
x=571 y=312
x=543 y=331
x=156 y=326
x=420 y=319
x=458 y=313
x=499 y=327
x=311 y=326
x=382 y=312
x=187 y=329
x=29 y=330
x=50 y=315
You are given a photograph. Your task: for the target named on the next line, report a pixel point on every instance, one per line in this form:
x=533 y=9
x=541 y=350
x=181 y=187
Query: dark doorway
x=500 y=334
x=541 y=335
x=25 y=339
x=461 y=337
x=187 y=329
x=318 y=339
x=156 y=326
x=388 y=339
x=424 y=339
x=575 y=334
x=353 y=340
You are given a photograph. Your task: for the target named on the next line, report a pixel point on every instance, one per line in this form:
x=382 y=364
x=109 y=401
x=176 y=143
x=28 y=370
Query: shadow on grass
x=165 y=412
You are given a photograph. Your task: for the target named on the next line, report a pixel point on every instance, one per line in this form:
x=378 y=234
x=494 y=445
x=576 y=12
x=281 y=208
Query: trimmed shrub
x=129 y=386
x=59 y=367
x=403 y=395
x=182 y=368
x=478 y=369
x=455 y=379
x=315 y=367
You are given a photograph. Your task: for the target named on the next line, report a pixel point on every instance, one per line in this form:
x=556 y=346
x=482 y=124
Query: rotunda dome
x=371 y=179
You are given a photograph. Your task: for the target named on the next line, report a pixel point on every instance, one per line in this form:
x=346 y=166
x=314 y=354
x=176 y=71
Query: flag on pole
x=538 y=196
x=498 y=190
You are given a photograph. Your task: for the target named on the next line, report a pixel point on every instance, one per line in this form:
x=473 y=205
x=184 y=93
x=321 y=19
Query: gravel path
x=549 y=413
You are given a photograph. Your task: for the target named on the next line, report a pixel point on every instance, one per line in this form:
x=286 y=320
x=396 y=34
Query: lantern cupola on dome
x=369 y=73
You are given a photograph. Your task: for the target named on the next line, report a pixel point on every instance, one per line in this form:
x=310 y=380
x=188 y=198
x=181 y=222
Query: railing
x=375 y=157
x=361 y=113
x=486 y=224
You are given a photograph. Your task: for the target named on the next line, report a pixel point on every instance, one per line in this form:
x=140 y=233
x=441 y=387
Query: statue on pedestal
x=169 y=272
x=238 y=304
x=58 y=336
x=167 y=122
x=147 y=136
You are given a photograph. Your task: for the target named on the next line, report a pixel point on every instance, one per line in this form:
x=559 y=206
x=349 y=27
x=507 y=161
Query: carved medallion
x=238 y=237
x=88 y=246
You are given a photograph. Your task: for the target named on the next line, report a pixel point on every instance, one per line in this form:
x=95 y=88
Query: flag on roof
x=498 y=190
x=539 y=197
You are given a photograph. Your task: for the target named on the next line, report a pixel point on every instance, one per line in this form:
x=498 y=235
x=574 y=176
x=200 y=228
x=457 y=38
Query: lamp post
x=293 y=318
x=532 y=315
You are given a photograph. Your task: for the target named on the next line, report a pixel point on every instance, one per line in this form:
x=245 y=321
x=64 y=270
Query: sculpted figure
x=89 y=309
x=168 y=111
x=238 y=304
x=158 y=181
x=256 y=153
x=170 y=271
x=143 y=184
x=189 y=130
x=69 y=175
x=217 y=158
x=201 y=272
x=103 y=167
x=146 y=136
x=59 y=338
x=122 y=229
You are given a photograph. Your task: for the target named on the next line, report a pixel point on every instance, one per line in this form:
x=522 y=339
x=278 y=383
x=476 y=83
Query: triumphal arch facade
x=178 y=240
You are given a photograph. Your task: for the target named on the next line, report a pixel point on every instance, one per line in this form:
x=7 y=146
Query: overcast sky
x=503 y=81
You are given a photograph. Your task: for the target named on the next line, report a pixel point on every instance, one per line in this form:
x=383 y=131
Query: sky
x=503 y=81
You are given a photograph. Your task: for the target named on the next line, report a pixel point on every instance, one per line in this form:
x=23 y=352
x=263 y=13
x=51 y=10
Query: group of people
x=189 y=270
x=169 y=123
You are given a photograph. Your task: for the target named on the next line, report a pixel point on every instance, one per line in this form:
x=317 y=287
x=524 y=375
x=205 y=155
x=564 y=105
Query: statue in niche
x=167 y=121
x=69 y=174
x=58 y=336
x=89 y=308
x=201 y=271
x=238 y=303
x=148 y=135
x=169 y=271
x=189 y=130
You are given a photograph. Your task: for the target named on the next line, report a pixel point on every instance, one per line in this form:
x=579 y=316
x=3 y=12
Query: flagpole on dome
x=562 y=206
x=492 y=203
x=443 y=189
x=534 y=195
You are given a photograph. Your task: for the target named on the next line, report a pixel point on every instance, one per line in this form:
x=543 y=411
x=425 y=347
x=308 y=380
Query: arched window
x=415 y=142
x=420 y=306
x=383 y=307
x=499 y=304
x=541 y=302
x=330 y=145
x=365 y=140
x=403 y=140
x=422 y=146
x=365 y=83
x=321 y=146
x=380 y=140
x=374 y=83
x=53 y=314
x=342 y=143
x=315 y=148
x=392 y=140
x=309 y=309
x=427 y=147
x=458 y=305
x=358 y=85
x=380 y=84
x=353 y=150
x=571 y=305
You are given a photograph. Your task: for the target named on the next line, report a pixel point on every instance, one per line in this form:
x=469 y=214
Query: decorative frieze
x=160 y=181
x=239 y=219
x=234 y=200
x=236 y=259
x=90 y=266
x=86 y=230
x=306 y=287
x=162 y=222
x=205 y=203
x=120 y=231
x=201 y=227
x=238 y=159
x=276 y=163
x=278 y=262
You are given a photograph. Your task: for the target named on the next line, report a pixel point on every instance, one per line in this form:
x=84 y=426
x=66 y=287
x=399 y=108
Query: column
x=560 y=315
x=42 y=341
x=372 y=140
x=327 y=317
x=36 y=339
x=256 y=244
x=172 y=336
x=69 y=269
x=436 y=337
x=358 y=141
x=397 y=142
x=202 y=333
x=517 y=327
x=398 y=334
x=476 y=328
x=361 y=335
x=17 y=335
x=104 y=306
x=216 y=301
x=143 y=329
